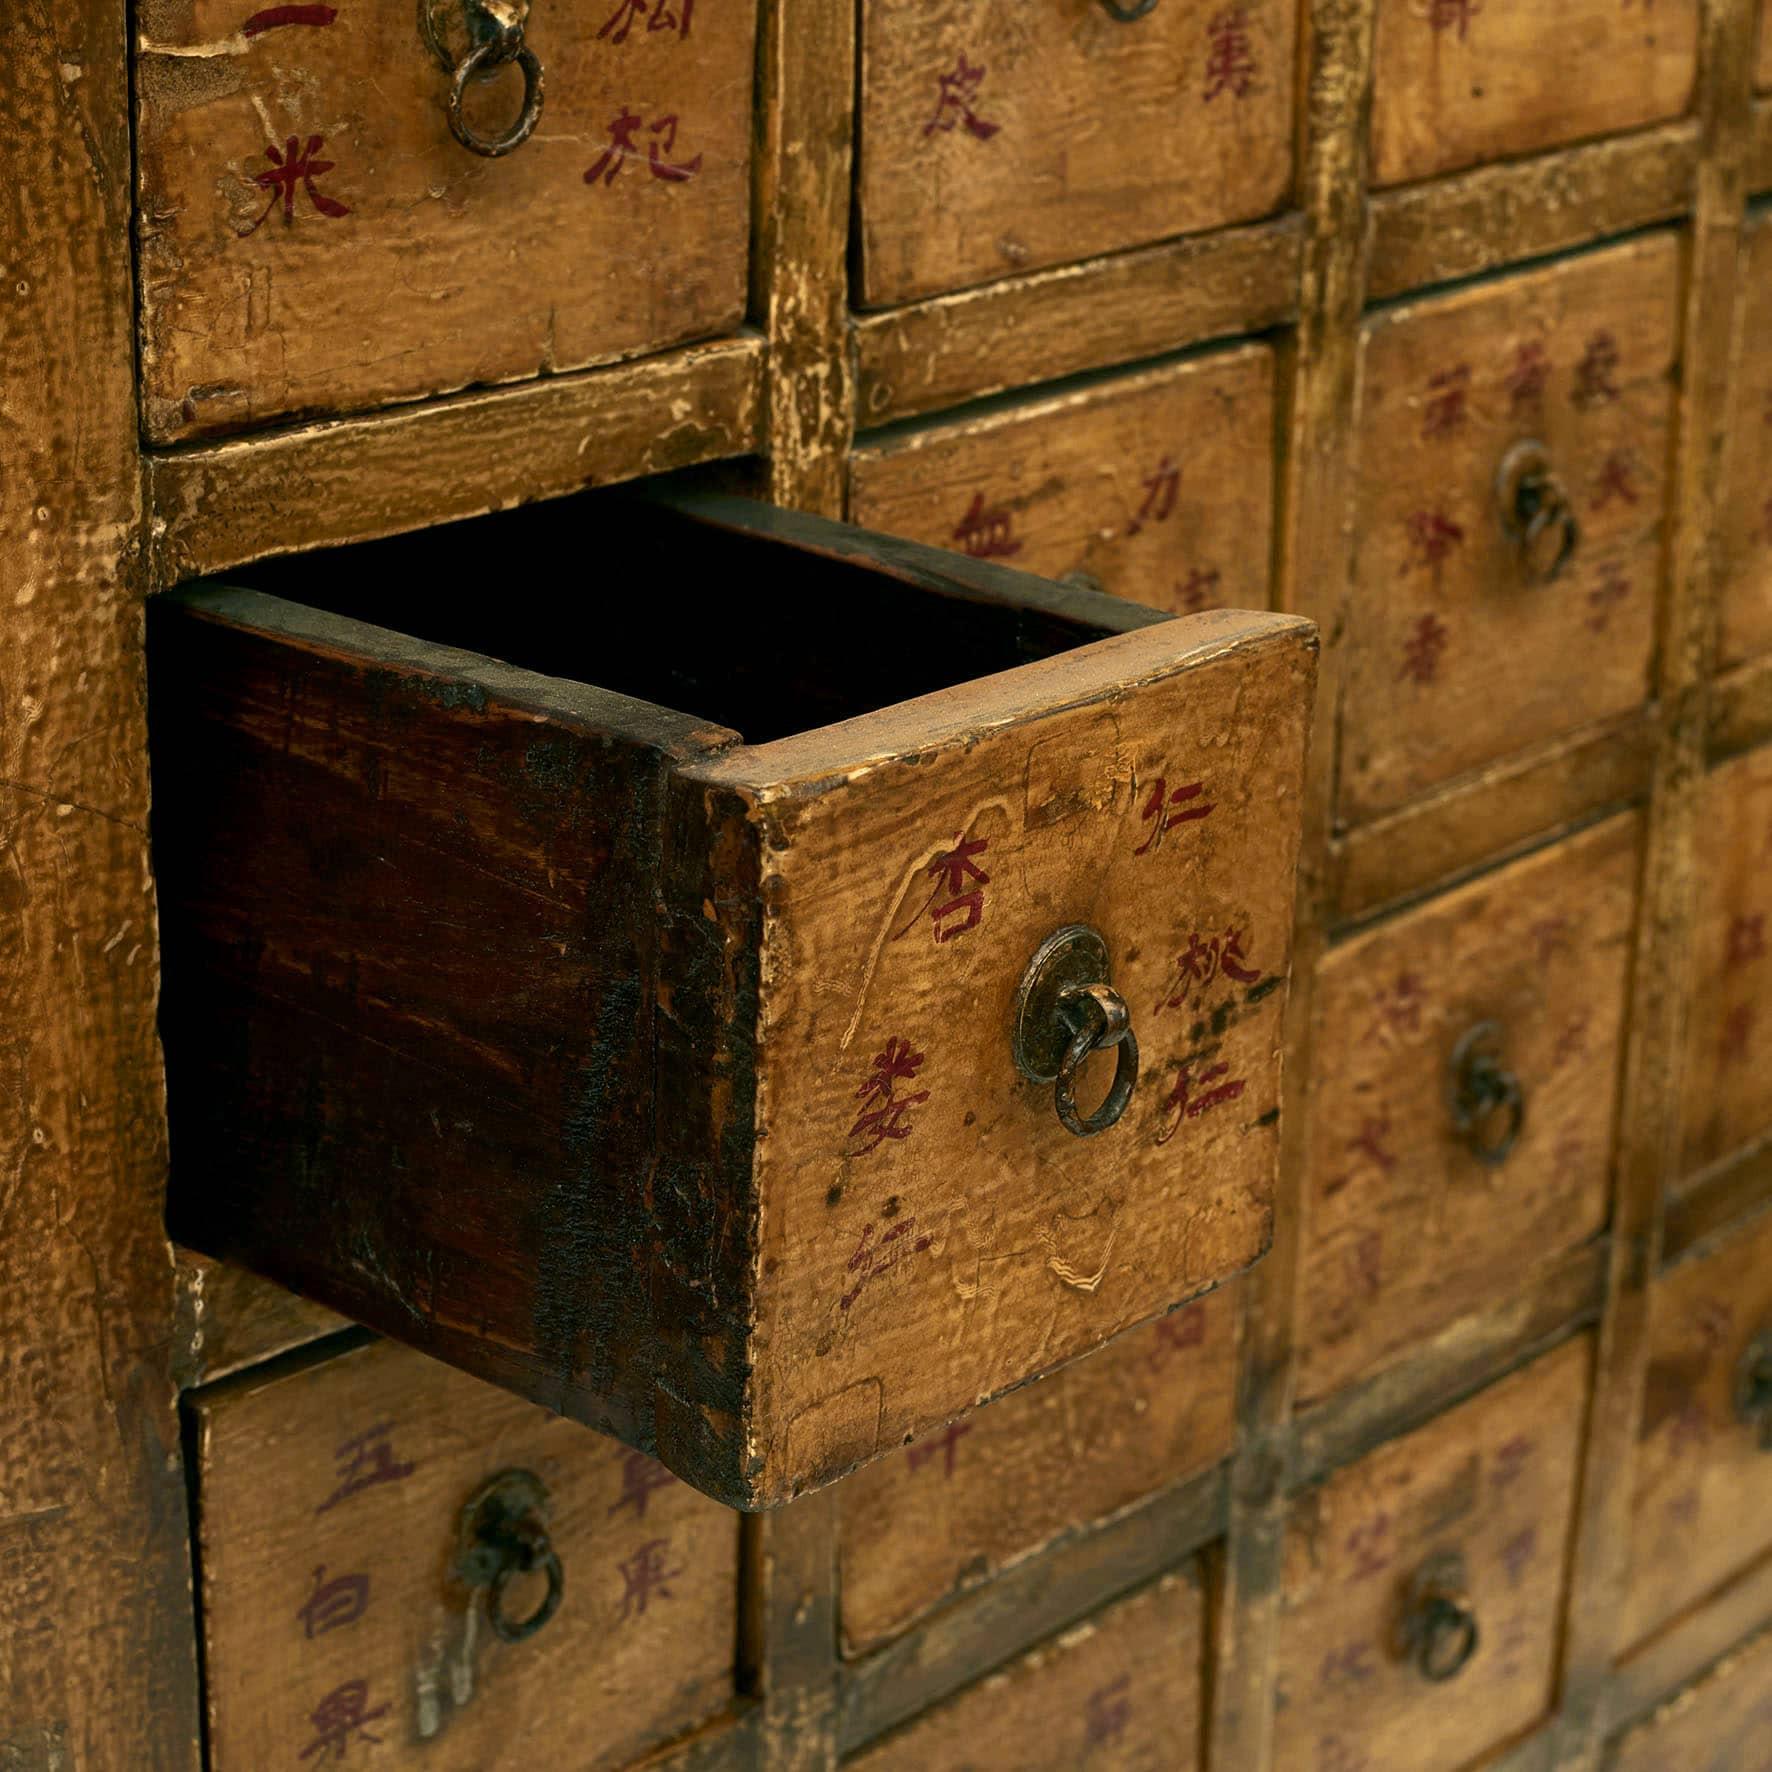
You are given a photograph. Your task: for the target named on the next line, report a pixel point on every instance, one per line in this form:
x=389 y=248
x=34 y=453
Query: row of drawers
x=313 y=240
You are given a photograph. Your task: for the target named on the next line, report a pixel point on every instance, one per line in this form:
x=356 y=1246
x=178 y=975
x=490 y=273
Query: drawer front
x=1461 y=638
x=1727 y=1081
x=1120 y=1692
x=1467 y=1519
x=1157 y=487
x=1435 y=1030
x=1702 y=1506
x=335 y=1619
x=313 y=238
x=1763 y=70
x=1154 y=1406
x=998 y=139
x=1722 y=1724
x=1746 y=563
x=1463 y=81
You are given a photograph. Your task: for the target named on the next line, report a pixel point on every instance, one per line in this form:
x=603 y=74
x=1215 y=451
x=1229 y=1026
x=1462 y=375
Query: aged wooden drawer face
x=1502 y=999
x=314 y=239
x=1442 y=1551
x=1719 y=1725
x=1763 y=73
x=1461 y=635
x=1747 y=516
x=996 y=139
x=1703 y=1499
x=1728 y=1072
x=336 y=1616
x=670 y=1078
x=1158 y=487
x=1149 y=1409
x=1121 y=1692
x=1461 y=81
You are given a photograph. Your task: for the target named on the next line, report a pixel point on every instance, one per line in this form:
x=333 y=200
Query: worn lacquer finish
x=1746 y=543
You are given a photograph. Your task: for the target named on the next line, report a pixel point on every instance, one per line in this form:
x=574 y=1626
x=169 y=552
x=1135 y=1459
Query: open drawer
x=690 y=1083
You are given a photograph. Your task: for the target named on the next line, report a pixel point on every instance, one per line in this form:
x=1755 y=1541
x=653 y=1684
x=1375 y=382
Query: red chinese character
x=1511 y=1458
x=1172 y=809
x=1527 y=379
x=664 y=18
x=641 y=1479
x=671 y=172
x=1688 y=1428
x=1551 y=936
x=1397 y=1009
x=1432 y=537
x=883 y=1112
x=1161 y=490
x=1201 y=962
x=1201 y=589
x=1572 y=1041
x=1683 y=1510
x=340 y=1718
x=958 y=96
x=1369 y=1545
x=1335 y=1755
x=1714 y=1322
x=623 y=147
x=869 y=1262
x=1421 y=651
x=1350 y=1665
x=333 y=1603
x=1448 y=399
x=1374 y=1130
x=984 y=533
x=646 y=1578
x=1189 y=1106
x=1738 y=1027
x=1612 y=588
x=1594 y=374
x=1616 y=481
x=1517 y=1554
x=946 y=1448
x=363 y=1463
x=1177 y=1334
x=295 y=166
x=1230 y=59
x=1107 y=1712
x=1747 y=942
x=953 y=872
x=1447 y=15
x=1364 y=1264
x=274 y=17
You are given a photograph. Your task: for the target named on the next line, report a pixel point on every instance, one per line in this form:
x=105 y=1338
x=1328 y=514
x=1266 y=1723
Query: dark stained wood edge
x=1038 y=328
x=219 y=505
x=725 y=1743
x=1496 y=215
x=1027 y=1603
x=1717 y=1201
x=1741 y=709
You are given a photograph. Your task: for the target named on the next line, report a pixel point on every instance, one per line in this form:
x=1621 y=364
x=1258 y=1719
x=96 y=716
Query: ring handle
x=1753 y=1387
x=1440 y=1630
x=1128 y=14
x=1100 y=1019
x=1537 y=516
x=1480 y=1092
x=495 y=37
x=1065 y=1009
x=503 y=1534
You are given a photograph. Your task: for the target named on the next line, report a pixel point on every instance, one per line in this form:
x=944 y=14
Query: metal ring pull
x=1066 y=1009
x=495 y=38
x=1536 y=514
x=1753 y=1387
x=1481 y=1091
x=1129 y=14
x=504 y=1534
x=1440 y=1632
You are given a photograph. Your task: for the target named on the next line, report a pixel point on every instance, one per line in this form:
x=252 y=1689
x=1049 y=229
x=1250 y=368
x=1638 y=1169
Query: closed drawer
x=1424 y=1584
x=1121 y=1691
x=1151 y=1408
x=1746 y=563
x=1727 y=1081
x=670 y=1076
x=1718 y=1725
x=1157 y=487
x=348 y=1541
x=1464 y=1099
x=1462 y=81
x=1702 y=1503
x=1461 y=634
x=997 y=139
x=1763 y=70
x=314 y=239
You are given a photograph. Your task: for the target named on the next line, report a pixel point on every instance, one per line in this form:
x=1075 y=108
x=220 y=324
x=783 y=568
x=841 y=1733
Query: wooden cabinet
x=671 y=1076
x=1746 y=552
x=994 y=139
x=1156 y=486
x=1461 y=81
x=1509 y=517
x=313 y=238
x=347 y=1552
x=1718 y=1725
x=1763 y=69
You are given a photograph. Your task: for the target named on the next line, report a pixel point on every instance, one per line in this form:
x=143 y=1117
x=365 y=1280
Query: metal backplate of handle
x=1753 y=1387
x=1439 y=1631
x=1488 y=1105
x=493 y=33
x=1129 y=12
x=1066 y=1008
x=504 y=1534
x=1537 y=516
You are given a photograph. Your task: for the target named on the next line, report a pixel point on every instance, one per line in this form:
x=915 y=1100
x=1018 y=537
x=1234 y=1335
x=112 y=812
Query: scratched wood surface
x=1157 y=487
x=953 y=1510
x=1492 y=1481
x=1408 y=1227
x=1459 y=81
x=329 y=1508
x=1721 y=1724
x=315 y=240
x=997 y=139
x=1122 y=1692
x=1746 y=544
x=1701 y=1503
x=1457 y=658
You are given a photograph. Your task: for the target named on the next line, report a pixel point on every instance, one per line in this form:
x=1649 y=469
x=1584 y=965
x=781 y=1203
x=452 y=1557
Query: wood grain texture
x=404 y=265
x=1121 y=1691
x=1408 y=1229
x=217 y=506
x=1074 y=318
x=1157 y=487
x=1740 y=710
x=1746 y=543
x=97 y=1658
x=1455 y=659
x=1458 y=81
x=1060 y=133
x=955 y=1510
x=330 y=1501
x=1717 y=1726
x=1759 y=168
x=1763 y=63
x=229 y=1319
x=1493 y=1481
